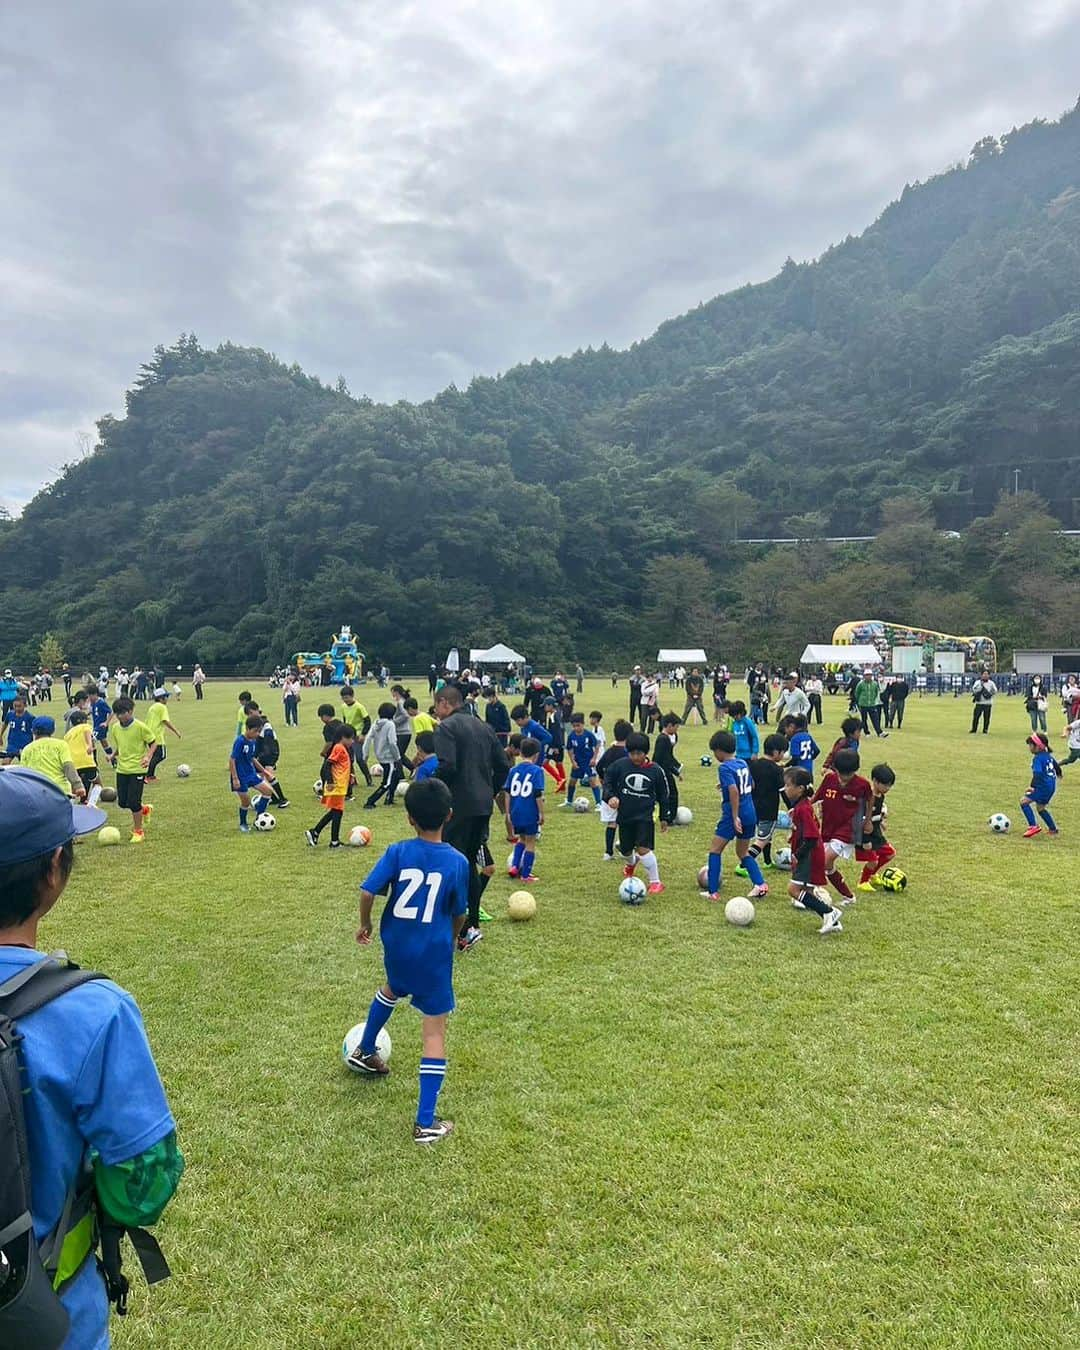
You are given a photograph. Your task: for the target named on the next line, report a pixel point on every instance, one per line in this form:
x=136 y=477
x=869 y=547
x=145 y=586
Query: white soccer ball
x=782 y=859
x=739 y=911
x=317 y=787
x=353 y=1038
x=1000 y=823
x=183 y=771
x=265 y=821
x=632 y=891
x=376 y=771
x=359 y=836
x=581 y=805
x=684 y=816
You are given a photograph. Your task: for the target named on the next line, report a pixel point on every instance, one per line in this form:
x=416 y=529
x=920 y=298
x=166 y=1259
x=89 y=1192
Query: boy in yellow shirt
x=157 y=719
x=130 y=747
x=80 y=741
x=49 y=755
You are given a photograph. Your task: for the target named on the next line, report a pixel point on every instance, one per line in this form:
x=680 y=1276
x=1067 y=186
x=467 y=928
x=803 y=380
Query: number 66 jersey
x=429 y=888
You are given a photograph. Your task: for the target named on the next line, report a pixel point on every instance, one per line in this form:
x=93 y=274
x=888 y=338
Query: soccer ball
x=359 y=836
x=581 y=805
x=107 y=795
x=183 y=771
x=783 y=820
x=632 y=891
x=317 y=787
x=783 y=859
x=265 y=821
x=376 y=771
x=891 y=879
x=355 y=1035
x=1000 y=823
x=108 y=835
x=739 y=911
x=706 y=761
x=684 y=816
x=521 y=906
x=703 y=878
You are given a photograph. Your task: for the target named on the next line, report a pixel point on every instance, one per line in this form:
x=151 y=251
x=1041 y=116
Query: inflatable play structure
x=343 y=654
x=905 y=649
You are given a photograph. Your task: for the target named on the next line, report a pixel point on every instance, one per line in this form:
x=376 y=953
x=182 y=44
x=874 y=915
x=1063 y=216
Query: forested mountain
x=591 y=505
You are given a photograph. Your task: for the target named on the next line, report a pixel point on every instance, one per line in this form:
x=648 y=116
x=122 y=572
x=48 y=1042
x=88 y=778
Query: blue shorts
x=725 y=826
x=527 y=825
x=245 y=787
x=582 y=772
x=431 y=997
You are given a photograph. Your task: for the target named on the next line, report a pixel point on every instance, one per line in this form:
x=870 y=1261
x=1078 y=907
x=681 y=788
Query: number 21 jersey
x=429 y=887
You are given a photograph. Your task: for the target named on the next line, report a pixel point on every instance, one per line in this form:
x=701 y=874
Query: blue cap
x=37 y=817
x=43 y=726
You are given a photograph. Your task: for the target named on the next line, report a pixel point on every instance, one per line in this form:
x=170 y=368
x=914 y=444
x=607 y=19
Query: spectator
x=983 y=691
x=792 y=701
x=694 y=686
x=867 y=697
x=1036 y=704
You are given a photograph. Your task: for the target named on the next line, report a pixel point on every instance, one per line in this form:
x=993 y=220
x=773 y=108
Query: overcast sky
x=409 y=194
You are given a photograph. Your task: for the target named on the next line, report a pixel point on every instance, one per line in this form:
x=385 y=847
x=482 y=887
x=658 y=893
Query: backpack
x=31 y=1315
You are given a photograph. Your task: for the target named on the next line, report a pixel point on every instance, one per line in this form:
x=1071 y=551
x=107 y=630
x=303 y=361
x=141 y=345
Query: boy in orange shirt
x=337 y=772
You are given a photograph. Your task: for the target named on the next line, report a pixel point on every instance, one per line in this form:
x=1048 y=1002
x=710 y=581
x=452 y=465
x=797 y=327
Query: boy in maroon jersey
x=845 y=799
x=807 y=852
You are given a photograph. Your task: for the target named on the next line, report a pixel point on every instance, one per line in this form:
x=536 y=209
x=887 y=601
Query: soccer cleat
x=373 y=1063
x=511 y=871
x=655 y=888
x=148 y=779
x=335 y=843
x=759 y=892
x=628 y=870
x=431 y=1134
x=137 y=837
x=569 y=802
x=831 y=922
x=283 y=803
x=607 y=857
x=866 y=886
x=485 y=917
x=714 y=896
x=797 y=904
x=1053 y=833
x=147 y=810
x=741 y=871
x=469 y=939
x=528 y=881
x=1032 y=831
x=245 y=829
x=311 y=837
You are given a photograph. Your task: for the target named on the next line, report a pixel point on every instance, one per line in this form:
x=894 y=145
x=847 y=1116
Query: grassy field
x=670 y=1132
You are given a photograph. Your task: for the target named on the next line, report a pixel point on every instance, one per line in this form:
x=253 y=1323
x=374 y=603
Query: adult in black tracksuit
x=898 y=694
x=471 y=763
x=635 y=693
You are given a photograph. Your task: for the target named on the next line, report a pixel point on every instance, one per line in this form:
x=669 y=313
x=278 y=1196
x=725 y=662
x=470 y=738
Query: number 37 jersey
x=429 y=887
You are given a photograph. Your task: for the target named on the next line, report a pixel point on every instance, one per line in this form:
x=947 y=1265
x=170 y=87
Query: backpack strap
x=39 y=983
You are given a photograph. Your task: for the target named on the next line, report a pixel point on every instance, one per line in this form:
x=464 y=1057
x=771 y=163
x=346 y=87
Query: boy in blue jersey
x=1045 y=771
x=20 y=729
x=524 y=788
x=802 y=748
x=100 y=712
x=738 y=819
x=584 y=749
x=529 y=726
x=426 y=761
x=246 y=774
x=428 y=884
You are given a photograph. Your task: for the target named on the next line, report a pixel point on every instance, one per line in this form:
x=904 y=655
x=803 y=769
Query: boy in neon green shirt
x=52 y=757
x=157 y=719
x=130 y=747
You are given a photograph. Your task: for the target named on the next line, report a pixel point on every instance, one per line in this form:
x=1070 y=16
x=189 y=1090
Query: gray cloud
x=412 y=194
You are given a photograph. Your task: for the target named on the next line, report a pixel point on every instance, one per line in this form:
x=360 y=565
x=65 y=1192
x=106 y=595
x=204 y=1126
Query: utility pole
x=1016 y=482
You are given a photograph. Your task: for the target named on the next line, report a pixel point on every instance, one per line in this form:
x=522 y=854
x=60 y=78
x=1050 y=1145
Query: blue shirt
x=1043 y=776
x=735 y=773
x=91 y=1082
x=524 y=785
x=803 y=750
x=429 y=888
x=243 y=755
x=99 y=713
x=20 y=731
x=9 y=689
x=746 y=737
x=582 y=746
x=427 y=768
x=559 y=690
x=537 y=732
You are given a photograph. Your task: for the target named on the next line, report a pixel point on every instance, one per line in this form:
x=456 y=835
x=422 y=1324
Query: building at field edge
x=1047 y=661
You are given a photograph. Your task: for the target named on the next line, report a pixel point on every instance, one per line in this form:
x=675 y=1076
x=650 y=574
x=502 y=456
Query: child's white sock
x=651 y=866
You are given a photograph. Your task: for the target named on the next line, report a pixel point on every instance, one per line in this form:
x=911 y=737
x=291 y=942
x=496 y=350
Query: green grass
x=670 y=1132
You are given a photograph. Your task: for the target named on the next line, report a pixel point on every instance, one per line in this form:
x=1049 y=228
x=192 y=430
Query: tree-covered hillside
x=587 y=506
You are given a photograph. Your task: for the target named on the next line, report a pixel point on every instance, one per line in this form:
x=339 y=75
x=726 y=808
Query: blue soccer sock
x=432 y=1073
x=714 y=873
x=261 y=805
x=753 y=869
x=596 y=795
x=1029 y=814
x=519 y=853
x=243 y=815
x=1048 y=819
x=571 y=789
x=527 y=860
x=377 y=1018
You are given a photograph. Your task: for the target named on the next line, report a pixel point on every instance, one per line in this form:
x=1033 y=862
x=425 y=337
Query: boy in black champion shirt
x=633 y=787
x=768 y=779
x=608 y=814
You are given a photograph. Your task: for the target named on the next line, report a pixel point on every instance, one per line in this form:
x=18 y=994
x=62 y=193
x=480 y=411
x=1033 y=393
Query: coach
x=471 y=762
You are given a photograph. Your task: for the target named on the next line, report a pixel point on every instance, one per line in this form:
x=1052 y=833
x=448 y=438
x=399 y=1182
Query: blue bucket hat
x=36 y=817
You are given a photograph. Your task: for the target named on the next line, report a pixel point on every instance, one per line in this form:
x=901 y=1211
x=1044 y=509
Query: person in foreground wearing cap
x=51 y=756
x=93 y=1098
x=792 y=700
x=157 y=718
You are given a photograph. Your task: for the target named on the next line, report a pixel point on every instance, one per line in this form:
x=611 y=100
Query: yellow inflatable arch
x=976 y=651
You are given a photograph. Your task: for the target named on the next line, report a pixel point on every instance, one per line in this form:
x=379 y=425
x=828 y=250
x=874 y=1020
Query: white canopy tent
x=500 y=655
x=828 y=654
x=681 y=656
